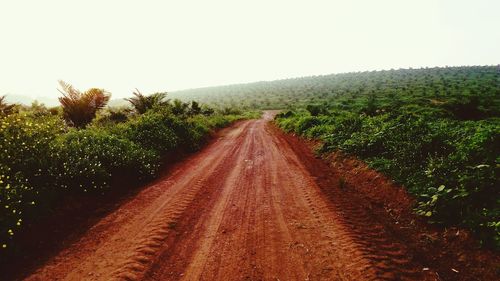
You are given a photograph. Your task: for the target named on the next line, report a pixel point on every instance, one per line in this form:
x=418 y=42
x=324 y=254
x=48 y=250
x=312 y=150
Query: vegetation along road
x=244 y=208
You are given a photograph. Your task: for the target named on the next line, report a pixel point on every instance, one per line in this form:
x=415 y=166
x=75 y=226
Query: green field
x=434 y=131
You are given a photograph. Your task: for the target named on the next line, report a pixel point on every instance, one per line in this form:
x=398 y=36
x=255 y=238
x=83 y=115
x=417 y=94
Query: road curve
x=243 y=208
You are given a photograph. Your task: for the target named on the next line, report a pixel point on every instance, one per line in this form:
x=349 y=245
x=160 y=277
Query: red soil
x=253 y=205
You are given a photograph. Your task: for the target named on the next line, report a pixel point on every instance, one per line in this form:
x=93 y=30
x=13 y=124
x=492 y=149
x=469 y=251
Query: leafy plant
x=90 y=158
x=113 y=116
x=142 y=103
x=26 y=174
x=450 y=165
x=179 y=107
x=43 y=161
x=5 y=108
x=194 y=108
x=79 y=108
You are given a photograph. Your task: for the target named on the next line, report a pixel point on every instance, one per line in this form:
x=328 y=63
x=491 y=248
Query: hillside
x=426 y=83
x=434 y=131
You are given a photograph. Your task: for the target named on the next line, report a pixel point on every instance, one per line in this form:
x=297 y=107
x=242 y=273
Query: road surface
x=243 y=208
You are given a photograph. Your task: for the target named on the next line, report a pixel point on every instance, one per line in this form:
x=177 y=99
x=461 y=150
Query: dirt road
x=243 y=208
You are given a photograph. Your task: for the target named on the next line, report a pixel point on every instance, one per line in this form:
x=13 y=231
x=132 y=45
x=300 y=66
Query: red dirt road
x=244 y=208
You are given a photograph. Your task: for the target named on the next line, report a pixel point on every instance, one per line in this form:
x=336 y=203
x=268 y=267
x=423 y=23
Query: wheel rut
x=246 y=207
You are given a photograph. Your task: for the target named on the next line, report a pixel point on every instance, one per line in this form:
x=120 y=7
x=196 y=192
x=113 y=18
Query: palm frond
x=143 y=103
x=5 y=108
x=80 y=108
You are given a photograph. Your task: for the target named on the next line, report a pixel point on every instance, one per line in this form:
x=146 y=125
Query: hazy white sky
x=170 y=45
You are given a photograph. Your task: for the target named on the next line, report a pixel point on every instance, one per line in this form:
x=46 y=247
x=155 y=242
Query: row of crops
x=445 y=149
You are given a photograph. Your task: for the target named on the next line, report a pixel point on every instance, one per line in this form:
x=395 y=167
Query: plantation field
x=435 y=131
x=404 y=85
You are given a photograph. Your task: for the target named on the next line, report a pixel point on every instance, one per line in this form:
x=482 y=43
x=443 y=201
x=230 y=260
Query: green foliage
x=316 y=110
x=443 y=146
x=142 y=103
x=43 y=161
x=228 y=110
x=305 y=123
x=207 y=111
x=113 y=116
x=153 y=131
x=26 y=159
x=89 y=159
x=80 y=108
x=38 y=110
x=5 y=108
x=179 y=107
x=368 y=91
x=195 y=108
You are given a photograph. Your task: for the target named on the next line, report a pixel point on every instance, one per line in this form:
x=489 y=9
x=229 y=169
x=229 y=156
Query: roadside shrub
x=368 y=141
x=306 y=122
x=43 y=162
x=213 y=121
x=451 y=166
x=466 y=181
x=179 y=108
x=219 y=121
x=194 y=109
x=317 y=132
x=344 y=126
x=26 y=156
x=287 y=124
x=229 y=110
x=284 y=114
x=89 y=159
x=315 y=109
x=200 y=129
x=113 y=116
x=153 y=131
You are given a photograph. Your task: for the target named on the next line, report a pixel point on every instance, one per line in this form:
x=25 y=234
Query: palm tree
x=5 y=108
x=142 y=103
x=80 y=108
x=179 y=107
x=195 y=108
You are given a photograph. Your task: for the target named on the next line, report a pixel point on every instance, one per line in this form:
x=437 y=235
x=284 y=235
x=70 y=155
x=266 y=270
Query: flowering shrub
x=42 y=160
x=88 y=159
x=152 y=131
x=26 y=156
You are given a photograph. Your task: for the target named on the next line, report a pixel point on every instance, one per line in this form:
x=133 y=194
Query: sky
x=121 y=45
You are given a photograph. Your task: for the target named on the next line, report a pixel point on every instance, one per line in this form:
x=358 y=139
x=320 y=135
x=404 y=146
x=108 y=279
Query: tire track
x=344 y=255
x=248 y=207
x=128 y=241
x=387 y=258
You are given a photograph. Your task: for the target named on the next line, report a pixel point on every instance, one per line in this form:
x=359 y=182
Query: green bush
x=451 y=166
x=306 y=122
x=88 y=160
x=152 y=131
x=317 y=132
x=42 y=161
x=26 y=157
